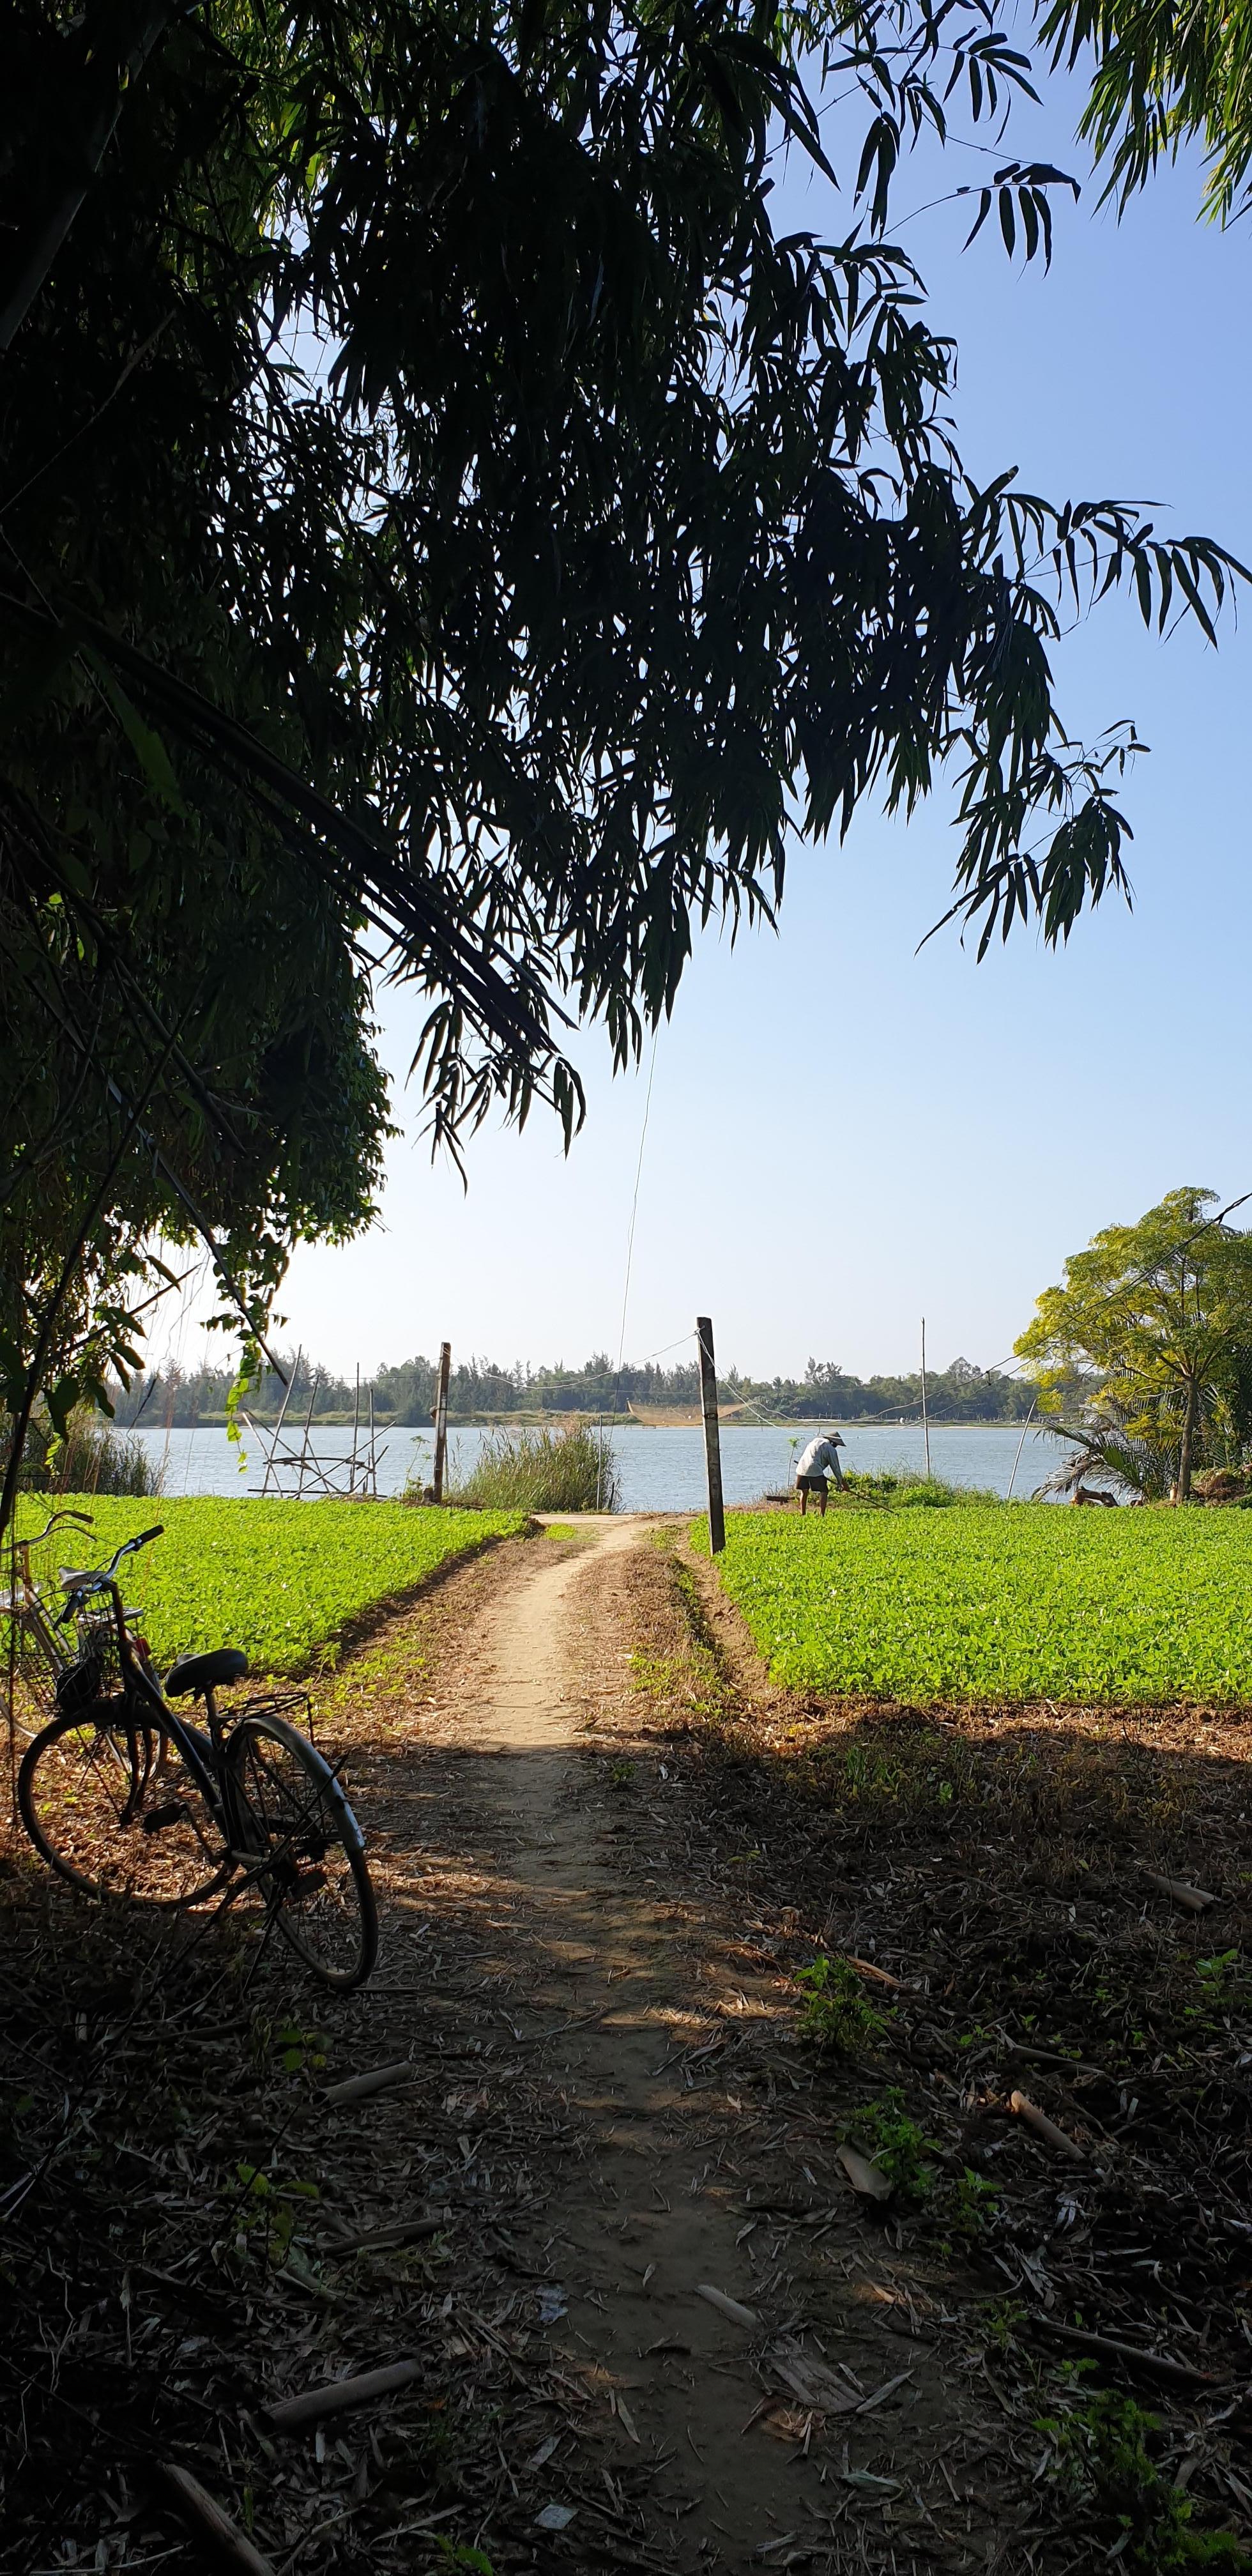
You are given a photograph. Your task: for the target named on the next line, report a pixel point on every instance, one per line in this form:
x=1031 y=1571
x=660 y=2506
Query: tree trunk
x=1182 y=1490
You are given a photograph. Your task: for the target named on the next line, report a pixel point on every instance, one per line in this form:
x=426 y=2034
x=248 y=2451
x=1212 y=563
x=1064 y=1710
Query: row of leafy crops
x=281 y=1579
x=1022 y=1603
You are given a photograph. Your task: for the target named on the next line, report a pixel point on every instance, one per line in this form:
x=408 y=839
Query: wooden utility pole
x=440 y=1417
x=712 y=1443
x=925 y=1415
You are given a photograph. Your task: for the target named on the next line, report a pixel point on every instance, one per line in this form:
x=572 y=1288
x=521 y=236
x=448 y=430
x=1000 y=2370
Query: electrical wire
x=634 y=1211
x=630 y=1254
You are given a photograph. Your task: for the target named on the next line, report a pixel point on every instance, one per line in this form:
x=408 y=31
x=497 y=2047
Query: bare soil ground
x=605 y=1848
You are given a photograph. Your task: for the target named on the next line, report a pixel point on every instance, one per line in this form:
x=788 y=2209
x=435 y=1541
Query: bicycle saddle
x=205 y=1672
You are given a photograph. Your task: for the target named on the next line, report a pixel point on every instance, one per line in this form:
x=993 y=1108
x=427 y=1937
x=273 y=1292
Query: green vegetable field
x=281 y=1579
x=1029 y=1602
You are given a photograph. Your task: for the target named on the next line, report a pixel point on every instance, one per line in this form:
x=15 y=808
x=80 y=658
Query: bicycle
x=124 y=1798
x=39 y=1657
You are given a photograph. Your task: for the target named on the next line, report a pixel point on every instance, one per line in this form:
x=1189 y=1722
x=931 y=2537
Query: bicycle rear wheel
x=315 y=1879
x=109 y=1803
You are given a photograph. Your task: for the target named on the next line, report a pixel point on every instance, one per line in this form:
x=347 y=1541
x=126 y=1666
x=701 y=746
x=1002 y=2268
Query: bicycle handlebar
x=130 y=1547
x=101 y=1577
x=157 y=1531
x=83 y=1519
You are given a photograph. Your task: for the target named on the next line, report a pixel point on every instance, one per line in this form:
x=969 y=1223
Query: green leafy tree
x=1156 y=1318
x=1165 y=75
x=448 y=531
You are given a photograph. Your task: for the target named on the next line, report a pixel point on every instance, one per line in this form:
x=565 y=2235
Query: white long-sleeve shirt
x=821 y=1458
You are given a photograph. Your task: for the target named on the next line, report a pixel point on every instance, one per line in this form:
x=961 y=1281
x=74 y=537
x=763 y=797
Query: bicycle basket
x=96 y=1674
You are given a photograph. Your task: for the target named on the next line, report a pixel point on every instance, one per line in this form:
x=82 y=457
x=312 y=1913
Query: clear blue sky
x=844 y=1134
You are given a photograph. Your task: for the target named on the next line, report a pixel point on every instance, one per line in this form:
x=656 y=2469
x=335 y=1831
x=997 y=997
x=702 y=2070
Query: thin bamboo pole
x=282 y=1415
x=304 y=1445
x=1020 y=1446
x=925 y=1415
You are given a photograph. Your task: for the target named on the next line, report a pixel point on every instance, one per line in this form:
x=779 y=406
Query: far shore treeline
x=482 y=1389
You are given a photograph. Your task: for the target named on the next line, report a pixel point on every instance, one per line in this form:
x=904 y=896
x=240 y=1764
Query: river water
x=660 y=1470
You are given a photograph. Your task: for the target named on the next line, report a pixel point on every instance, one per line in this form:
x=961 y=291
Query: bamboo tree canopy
x=450 y=530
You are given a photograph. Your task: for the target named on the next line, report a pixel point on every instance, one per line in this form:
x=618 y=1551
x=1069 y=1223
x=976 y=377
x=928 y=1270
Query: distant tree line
x=405 y=1394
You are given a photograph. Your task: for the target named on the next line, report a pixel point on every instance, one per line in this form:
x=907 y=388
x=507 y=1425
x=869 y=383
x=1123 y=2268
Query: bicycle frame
x=210 y=1783
x=142 y=1693
x=202 y=1753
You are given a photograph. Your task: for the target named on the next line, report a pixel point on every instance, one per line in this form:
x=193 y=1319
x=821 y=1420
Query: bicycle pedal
x=176 y=1813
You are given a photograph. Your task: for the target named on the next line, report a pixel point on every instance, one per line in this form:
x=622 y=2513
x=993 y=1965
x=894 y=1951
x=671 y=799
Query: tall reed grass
x=96 y=1458
x=539 y=1471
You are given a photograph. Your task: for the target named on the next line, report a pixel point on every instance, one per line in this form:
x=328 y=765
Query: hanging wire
x=666 y=1348
x=634 y=1211
x=630 y=1254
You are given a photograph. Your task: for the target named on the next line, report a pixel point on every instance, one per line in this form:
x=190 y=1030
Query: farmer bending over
x=812 y=1466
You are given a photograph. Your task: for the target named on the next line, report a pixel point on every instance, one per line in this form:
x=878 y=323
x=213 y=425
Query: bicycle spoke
x=118 y=1814
x=313 y=1876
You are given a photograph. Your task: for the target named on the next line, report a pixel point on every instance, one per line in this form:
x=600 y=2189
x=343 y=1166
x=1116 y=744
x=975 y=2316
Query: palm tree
x=1104 y=1445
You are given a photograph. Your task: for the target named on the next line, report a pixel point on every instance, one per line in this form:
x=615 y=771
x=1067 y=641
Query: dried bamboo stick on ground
x=1045 y=2128
x=1196 y=1899
x=335 y=2396
x=881 y=1976
x=379 y=2079
x=406 y=2231
x=212 y=2533
x=732 y=2308
x=1185 y=2374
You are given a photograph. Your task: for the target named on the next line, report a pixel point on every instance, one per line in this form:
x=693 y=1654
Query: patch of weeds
x=659 y=1675
x=694 y=1674
x=898 y=2147
x=382 y=1669
x=266 y=2220
x=904 y=1491
x=692 y=1606
x=975 y=2203
x=300 y=2048
x=432 y=2440
x=836 y=2013
x=1221 y=1980
x=1102 y=2459
x=907 y=1770
x=559 y=1529
x=977 y=2037
x=454 y=2553
x=294 y=2048
x=1003 y=2321
x=621 y=1774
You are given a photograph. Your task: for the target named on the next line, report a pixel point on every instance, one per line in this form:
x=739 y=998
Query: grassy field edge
x=1127 y=1609
x=292 y=1583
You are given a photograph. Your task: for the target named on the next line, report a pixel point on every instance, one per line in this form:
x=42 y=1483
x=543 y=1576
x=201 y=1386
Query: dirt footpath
x=811 y=2412
x=594 y=2213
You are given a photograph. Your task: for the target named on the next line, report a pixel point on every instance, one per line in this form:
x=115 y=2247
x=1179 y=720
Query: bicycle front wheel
x=309 y=1852
x=109 y=1803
